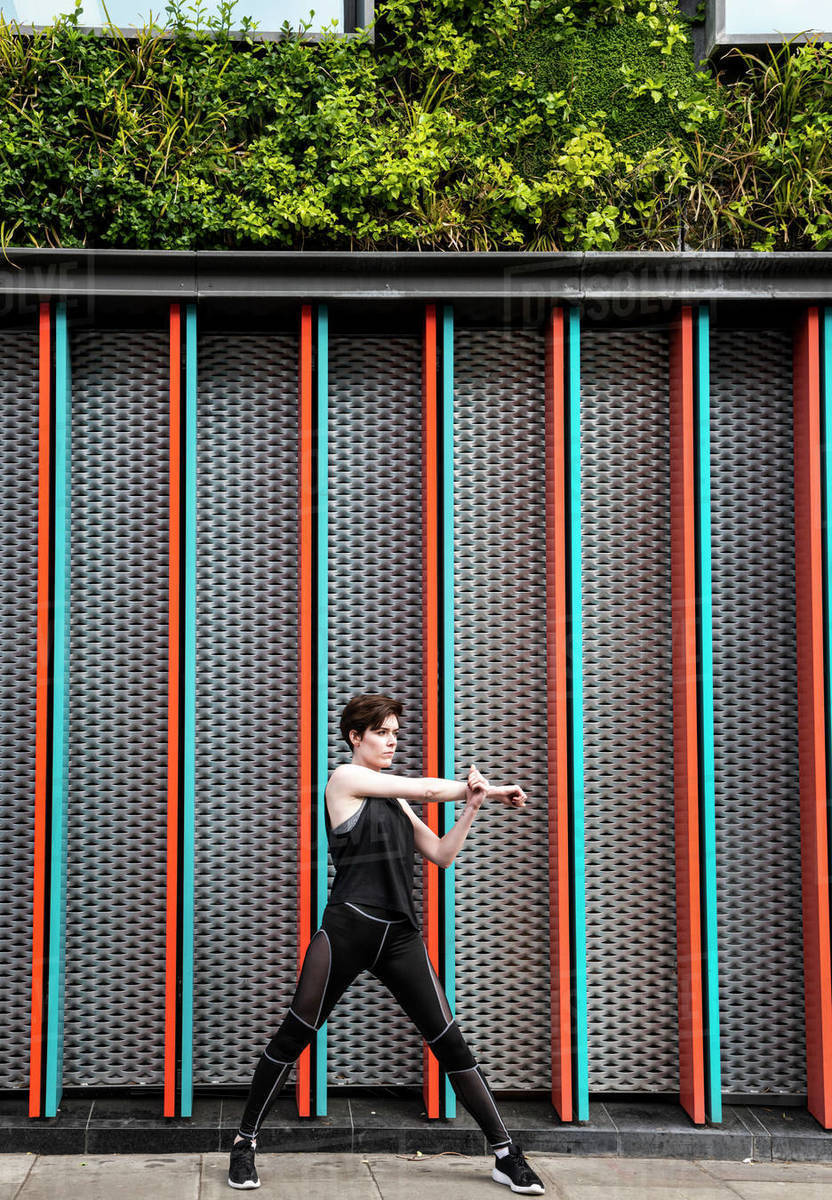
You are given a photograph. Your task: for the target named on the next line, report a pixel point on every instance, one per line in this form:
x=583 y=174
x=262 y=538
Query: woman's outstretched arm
x=351 y=780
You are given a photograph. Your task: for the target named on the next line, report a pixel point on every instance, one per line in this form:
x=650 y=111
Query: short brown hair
x=364 y=712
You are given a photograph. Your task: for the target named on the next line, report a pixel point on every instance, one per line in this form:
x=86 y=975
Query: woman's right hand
x=512 y=795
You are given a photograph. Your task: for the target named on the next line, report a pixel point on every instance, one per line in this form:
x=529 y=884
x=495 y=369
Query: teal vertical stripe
x=60 y=720
x=826 y=520
x=705 y=683
x=573 y=408
x=447 y=770
x=189 y=699
x=322 y=549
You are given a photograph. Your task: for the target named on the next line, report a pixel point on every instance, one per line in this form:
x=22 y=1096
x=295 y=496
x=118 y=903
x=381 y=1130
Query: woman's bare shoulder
x=339 y=781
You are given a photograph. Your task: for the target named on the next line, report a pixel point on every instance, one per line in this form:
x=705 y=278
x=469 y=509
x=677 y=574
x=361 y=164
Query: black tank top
x=373 y=856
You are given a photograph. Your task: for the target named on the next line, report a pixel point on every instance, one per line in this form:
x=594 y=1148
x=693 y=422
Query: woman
x=370 y=923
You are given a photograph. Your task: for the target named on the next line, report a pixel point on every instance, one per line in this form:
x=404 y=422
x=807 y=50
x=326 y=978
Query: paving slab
x=579 y=1191
x=13 y=1170
x=113 y=1177
x=760 y=1190
x=439 y=1176
x=639 y=1173
x=772 y=1172
x=356 y=1176
x=295 y=1177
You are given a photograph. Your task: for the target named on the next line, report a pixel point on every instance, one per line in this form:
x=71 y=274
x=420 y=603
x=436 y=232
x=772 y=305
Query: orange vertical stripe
x=685 y=740
x=431 y=559
x=430 y=543
x=811 y=741
x=41 y=702
x=305 y=602
x=173 y=714
x=557 y=739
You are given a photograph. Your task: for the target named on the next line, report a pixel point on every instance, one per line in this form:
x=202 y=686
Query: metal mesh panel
x=246 y=802
x=118 y=709
x=18 y=649
x=375 y=635
x=246 y=698
x=628 y=712
x=502 y=899
x=755 y=714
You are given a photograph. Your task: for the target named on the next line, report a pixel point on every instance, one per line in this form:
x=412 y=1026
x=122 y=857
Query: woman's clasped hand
x=480 y=789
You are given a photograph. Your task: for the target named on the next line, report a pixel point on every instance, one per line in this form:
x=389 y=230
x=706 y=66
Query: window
x=749 y=22
x=131 y=15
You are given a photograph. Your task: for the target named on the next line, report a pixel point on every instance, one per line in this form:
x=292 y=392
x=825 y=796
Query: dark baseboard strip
x=356 y=1124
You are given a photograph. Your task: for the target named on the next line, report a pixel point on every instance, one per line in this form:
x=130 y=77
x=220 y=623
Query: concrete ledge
x=364 y=1124
x=435 y=275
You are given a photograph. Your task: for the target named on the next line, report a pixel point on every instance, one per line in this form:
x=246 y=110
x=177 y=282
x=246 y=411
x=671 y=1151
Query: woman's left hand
x=476 y=779
x=477 y=789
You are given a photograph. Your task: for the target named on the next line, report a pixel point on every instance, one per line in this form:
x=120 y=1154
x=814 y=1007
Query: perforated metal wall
x=628 y=712
x=115 y=950
x=18 y=654
x=502 y=898
x=245 y=937
x=246 y=693
x=375 y=633
x=755 y=713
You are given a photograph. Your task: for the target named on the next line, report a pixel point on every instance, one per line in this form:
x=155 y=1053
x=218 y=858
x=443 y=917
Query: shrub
x=527 y=124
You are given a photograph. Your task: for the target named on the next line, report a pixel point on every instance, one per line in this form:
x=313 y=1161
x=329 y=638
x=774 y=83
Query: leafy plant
x=527 y=124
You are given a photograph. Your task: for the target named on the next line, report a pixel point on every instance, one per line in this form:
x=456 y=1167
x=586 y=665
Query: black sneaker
x=513 y=1170
x=242 y=1172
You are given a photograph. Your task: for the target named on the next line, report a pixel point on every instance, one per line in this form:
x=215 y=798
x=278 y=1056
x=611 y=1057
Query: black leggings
x=353 y=938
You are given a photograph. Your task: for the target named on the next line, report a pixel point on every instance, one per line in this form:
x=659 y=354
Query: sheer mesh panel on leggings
x=314 y=977
x=474 y=1093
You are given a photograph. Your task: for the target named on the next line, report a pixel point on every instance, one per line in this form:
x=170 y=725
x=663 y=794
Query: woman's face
x=378 y=745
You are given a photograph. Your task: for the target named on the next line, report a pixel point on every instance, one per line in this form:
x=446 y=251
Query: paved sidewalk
x=401 y=1177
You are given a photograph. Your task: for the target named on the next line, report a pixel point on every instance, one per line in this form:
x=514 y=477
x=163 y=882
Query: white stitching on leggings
x=361 y=910
x=280 y=1062
x=326 y=984
x=300 y=1018
x=439 y=1035
x=433 y=980
x=370 y=916
x=280 y=1077
x=383 y=936
x=462 y=1071
x=493 y=1105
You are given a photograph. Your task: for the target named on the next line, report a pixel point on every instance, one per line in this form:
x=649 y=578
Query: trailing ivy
x=527 y=124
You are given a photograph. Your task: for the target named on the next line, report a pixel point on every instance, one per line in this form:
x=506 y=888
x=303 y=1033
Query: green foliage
x=528 y=124
x=767 y=183
x=634 y=82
